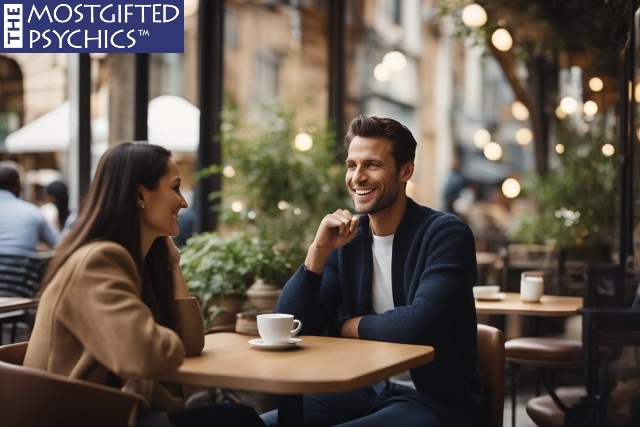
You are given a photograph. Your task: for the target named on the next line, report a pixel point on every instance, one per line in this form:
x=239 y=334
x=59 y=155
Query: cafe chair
x=20 y=276
x=548 y=355
x=543 y=354
x=32 y=397
x=491 y=367
x=601 y=285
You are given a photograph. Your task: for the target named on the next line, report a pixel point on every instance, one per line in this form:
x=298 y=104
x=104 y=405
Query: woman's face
x=159 y=217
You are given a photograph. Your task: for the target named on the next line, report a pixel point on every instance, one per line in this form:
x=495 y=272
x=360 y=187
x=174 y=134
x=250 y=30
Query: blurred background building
x=329 y=61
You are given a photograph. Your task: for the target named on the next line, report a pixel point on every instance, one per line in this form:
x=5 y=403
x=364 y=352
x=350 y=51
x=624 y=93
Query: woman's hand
x=174 y=252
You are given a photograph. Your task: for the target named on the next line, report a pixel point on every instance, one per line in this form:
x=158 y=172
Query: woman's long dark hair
x=110 y=212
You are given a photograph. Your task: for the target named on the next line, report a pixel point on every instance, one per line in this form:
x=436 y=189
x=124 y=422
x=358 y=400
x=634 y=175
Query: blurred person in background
x=56 y=209
x=22 y=225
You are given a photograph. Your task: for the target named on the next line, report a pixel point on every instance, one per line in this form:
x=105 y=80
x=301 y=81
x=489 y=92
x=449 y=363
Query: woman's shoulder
x=102 y=251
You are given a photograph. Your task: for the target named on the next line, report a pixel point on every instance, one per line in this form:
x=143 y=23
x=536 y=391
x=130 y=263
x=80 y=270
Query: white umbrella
x=174 y=123
x=50 y=132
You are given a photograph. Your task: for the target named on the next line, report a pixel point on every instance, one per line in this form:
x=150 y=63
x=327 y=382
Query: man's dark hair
x=403 y=144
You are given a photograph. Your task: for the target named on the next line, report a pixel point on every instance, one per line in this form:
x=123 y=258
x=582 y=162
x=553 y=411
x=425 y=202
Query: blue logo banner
x=73 y=26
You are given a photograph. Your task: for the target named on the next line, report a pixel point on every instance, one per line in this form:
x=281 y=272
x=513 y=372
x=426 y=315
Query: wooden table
x=315 y=365
x=549 y=306
x=16 y=303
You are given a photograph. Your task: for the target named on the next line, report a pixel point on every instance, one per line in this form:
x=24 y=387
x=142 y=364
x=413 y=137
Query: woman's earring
x=142 y=205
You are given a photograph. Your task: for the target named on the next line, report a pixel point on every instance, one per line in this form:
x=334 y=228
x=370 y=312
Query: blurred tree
x=577 y=200
x=549 y=35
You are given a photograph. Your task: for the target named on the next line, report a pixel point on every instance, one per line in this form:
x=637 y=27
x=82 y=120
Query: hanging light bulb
x=492 y=151
x=481 y=137
x=501 y=39
x=568 y=105
x=596 y=84
x=474 y=15
x=381 y=73
x=511 y=188
x=590 y=108
x=519 y=111
x=303 y=141
x=608 y=150
x=524 y=136
x=394 y=61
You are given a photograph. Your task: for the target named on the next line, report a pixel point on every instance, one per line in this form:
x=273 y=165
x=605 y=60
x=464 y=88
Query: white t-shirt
x=381 y=289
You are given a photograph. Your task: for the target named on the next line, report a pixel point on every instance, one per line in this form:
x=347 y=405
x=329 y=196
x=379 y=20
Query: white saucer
x=279 y=346
x=495 y=297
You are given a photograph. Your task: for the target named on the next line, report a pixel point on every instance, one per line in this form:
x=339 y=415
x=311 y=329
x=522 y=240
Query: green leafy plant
x=216 y=266
x=271 y=188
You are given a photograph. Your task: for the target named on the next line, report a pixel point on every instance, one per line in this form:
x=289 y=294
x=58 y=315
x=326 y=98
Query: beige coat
x=91 y=324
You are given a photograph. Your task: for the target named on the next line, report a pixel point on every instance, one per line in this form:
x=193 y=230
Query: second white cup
x=277 y=328
x=531 y=286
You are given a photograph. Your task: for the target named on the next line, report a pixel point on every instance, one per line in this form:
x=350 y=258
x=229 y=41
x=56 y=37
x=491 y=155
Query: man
x=399 y=272
x=22 y=224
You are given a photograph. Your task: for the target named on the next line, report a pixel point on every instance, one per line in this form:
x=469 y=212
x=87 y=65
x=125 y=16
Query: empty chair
x=491 y=367
x=20 y=276
x=601 y=285
x=32 y=397
x=551 y=354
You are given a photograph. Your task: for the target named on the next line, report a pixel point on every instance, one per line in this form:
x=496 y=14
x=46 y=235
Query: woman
x=114 y=308
x=56 y=210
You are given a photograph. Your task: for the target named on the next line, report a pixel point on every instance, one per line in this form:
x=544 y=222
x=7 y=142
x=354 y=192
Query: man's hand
x=335 y=230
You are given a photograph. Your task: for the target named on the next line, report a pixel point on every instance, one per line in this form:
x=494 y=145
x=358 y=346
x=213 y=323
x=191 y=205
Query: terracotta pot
x=263 y=296
x=226 y=307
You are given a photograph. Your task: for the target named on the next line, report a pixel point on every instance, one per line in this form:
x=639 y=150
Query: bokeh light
x=501 y=39
x=511 y=188
x=474 y=15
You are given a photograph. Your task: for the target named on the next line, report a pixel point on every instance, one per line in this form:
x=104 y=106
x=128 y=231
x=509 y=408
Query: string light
x=481 y=138
x=501 y=39
x=303 y=141
x=511 y=188
x=394 y=61
x=474 y=15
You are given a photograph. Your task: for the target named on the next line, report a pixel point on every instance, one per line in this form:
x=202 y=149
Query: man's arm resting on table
x=350 y=328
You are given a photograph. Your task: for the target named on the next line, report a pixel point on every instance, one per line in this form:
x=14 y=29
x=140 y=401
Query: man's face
x=372 y=177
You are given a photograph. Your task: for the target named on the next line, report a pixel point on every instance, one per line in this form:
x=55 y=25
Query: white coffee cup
x=531 y=286
x=277 y=328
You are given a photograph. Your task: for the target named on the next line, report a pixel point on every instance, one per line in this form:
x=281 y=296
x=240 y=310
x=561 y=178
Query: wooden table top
x=548 y=306
x=16 y=303
x=315 y=365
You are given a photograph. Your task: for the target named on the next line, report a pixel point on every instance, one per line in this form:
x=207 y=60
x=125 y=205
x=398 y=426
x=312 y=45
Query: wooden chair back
x=491 y=364
x=32 y=397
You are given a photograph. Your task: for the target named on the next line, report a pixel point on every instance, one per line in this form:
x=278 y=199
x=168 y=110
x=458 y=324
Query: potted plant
x=217 y=269
x=272 y=269
x=223 y=270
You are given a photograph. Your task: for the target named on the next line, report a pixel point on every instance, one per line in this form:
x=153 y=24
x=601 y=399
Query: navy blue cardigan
x=433 y=272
